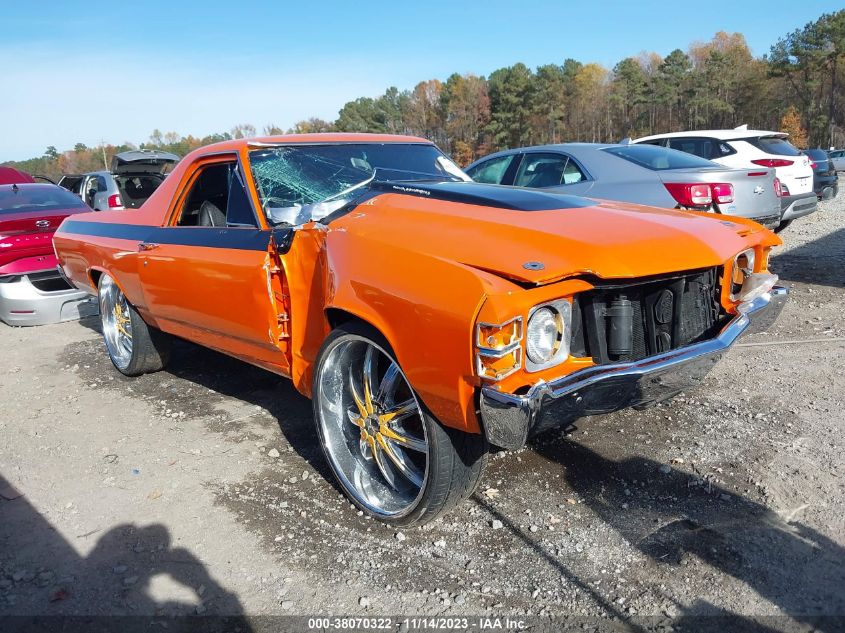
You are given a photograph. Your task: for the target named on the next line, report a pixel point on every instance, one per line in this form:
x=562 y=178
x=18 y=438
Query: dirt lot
x=202 y=489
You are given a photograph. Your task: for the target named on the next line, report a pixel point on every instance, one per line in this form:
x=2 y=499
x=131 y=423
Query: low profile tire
x=780 y=227
x=134 y=347
x=392 y=458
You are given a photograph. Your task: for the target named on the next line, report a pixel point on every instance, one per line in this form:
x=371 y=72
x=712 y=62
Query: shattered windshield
x=298 y=183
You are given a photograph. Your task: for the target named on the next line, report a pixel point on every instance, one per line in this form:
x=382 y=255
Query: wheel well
x=95 y=277
x=337 y=317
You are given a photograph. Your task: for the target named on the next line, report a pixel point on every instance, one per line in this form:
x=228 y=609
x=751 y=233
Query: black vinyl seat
x=211 y=215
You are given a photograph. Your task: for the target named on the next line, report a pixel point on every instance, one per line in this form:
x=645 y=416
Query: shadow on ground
x=817 y=262
x=790 y=564
x=41 y=574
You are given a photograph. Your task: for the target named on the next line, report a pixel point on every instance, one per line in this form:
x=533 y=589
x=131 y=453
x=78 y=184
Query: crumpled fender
x=424 y=306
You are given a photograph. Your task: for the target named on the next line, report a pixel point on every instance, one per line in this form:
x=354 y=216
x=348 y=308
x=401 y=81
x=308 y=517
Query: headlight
x=743 y=267
x=547 y=335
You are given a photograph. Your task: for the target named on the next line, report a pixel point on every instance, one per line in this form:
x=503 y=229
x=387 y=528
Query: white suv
x=742 y=147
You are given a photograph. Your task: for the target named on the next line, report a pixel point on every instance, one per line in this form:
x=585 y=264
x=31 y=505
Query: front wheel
x=134 y=347
x=392 y=458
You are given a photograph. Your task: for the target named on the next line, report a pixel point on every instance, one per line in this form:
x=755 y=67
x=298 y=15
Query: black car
x=825 y=180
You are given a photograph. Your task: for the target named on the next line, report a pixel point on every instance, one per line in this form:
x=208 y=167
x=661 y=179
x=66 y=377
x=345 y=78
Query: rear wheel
x=780 y=227
x=134 y=347
x=392 y=458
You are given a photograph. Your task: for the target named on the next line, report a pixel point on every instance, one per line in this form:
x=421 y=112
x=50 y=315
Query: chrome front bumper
x=509 y=419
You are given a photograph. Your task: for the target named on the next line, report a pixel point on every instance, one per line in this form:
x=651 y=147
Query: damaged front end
x=631 y=345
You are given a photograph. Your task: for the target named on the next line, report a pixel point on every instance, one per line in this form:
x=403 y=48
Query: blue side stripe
x=210 y=237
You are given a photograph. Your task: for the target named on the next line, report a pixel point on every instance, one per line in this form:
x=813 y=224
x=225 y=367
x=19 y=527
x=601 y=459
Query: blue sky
x=89 y=71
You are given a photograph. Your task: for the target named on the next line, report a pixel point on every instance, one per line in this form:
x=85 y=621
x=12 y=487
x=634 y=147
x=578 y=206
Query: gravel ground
x=202 y=490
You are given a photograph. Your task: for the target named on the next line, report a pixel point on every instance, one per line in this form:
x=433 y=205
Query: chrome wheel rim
x=117 y=322
x=371 y=427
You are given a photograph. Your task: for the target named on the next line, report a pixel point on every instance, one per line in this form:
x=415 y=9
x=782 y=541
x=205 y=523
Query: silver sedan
x=643 y=174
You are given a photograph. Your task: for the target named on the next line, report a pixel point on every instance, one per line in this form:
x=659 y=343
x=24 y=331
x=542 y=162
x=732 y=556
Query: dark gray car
x=644 y=174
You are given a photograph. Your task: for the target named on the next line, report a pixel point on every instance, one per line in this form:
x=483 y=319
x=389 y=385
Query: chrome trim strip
x=489 y=352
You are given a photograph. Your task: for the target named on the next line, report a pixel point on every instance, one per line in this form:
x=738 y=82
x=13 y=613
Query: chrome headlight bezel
x=490 y=351
x=562 y=309
x=741 y=269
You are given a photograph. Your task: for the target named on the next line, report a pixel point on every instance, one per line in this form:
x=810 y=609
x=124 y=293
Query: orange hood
x=607 y=239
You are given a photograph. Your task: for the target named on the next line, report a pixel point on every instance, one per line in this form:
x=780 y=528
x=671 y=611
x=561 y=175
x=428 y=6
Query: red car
x=12 y=176
x=32 y=291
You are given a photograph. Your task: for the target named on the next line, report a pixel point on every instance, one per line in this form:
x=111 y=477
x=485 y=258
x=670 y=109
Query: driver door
x=212 y=275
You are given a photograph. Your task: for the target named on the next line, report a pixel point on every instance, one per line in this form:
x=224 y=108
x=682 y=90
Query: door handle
x=147 y=246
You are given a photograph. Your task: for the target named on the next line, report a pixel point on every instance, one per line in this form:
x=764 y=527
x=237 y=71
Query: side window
x=696 y=146
x=542 y=170
x=217 y=199
x=89 y=189
x=572 y=173
x=491 y=171
x=238 y=209
x=724 y=149
x=101 y=184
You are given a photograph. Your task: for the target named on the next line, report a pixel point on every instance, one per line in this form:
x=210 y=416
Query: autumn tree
x=313 y=125
x=423 y=111
x=791 y=124
x=242 y=130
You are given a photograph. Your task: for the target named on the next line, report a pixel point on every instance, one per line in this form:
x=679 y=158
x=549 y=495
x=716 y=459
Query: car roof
x=10 y=175
x=551 y=147
x=572 y=148
x=722 y=135
x=323 y=137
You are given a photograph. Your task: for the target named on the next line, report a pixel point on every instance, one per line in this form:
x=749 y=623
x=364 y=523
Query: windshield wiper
x=349 y=190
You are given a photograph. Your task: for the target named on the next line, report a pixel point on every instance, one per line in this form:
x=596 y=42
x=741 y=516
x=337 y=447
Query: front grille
x=641 y=318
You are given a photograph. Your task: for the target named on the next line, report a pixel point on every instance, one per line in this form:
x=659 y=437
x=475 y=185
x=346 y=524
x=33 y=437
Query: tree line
x=799 y=87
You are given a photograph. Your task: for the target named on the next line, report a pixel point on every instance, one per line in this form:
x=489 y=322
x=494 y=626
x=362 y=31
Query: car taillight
x=691 y=195
x=723 y=193
x=114 y=202
x=778 y=188
x=772 y=162
x=813 y=164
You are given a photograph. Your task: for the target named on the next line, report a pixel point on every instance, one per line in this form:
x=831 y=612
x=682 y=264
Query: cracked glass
x=299 y=183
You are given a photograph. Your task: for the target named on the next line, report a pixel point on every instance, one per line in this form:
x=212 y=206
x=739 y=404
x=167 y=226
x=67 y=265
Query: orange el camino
x=425 y=315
